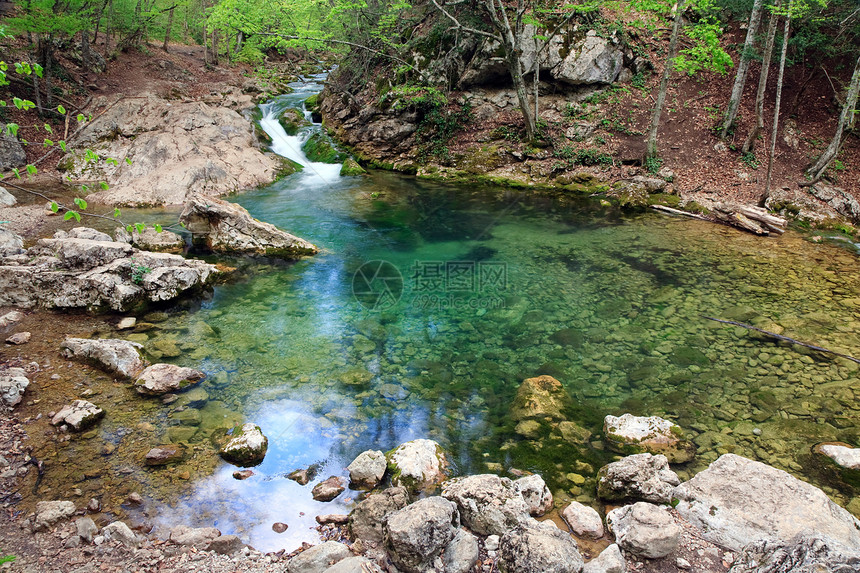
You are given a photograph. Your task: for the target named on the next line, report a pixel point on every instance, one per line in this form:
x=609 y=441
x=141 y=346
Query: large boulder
x=535 y=493
x=644 y=529
x=836 y=197
x=366 y=520
x=417 y=534
x=541 y=398
x=417 y=465
x=462 y=553
x=591 y=60
x=243 y=446
x=13 y=382
x=78 y=416
x=488 y=504
x=149 y=239
x=175 y=149
x=120 y=357
x=806 y=552
x=11 y=151
x=638 y=477
x=225 y=227
x=318 y=558
x=610 y=560
x=736 y=501
x=367 y=470
x=10 y=243
x=629 y=434
x=88 y=270
x=534 y=547
x=160 y=379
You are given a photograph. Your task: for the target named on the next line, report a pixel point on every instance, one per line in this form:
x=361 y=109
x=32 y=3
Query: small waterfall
x=290 y=146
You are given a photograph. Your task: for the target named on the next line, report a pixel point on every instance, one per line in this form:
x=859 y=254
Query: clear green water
x=608 y=304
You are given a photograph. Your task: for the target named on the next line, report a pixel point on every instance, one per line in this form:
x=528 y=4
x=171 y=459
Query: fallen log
x=784 y=338
x=674 y=211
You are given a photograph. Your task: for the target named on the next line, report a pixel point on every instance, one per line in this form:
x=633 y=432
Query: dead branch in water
x=781 y=337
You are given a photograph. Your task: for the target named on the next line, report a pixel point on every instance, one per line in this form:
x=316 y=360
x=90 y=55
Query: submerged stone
x=243 y=446
x=542 y=397
x=79 y=415
x=160 y=379
x=165 y=455
x=629 y=434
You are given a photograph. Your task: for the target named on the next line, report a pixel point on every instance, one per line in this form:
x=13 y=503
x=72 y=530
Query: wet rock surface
x=416 y=465
x=629 y=434
x=121 y=357
x=644 y=529
x=160 y=379
x=78 y=416
x=243 y=446
x=641 y=476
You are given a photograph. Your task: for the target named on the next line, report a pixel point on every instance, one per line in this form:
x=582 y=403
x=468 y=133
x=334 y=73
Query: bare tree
x=773 y=134
x=743 y=67
x=758 y=127
x=169 y=26
x=651 y=141
x=846 y=120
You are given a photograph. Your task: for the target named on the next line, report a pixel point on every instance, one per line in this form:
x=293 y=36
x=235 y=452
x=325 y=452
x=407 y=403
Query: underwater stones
x=356 y=377
x=367 y=470
x=49 y=513
x=194 y=398
x=228 y=228
x=79 y=415
x=535 y=493
x=160 y=379
x=366 y=520
x=488 y=504
x=243 y=446
x=629 y=434
x=120 y=357
x=535 y=547
x=13 y=382
x=583 y=520
x=417 y=465
x=328 y=489
x=644 y=529
x=737 y=501
x=572 y=432
x=641 y=476
x=165 y=455
x=542 y=398
x=303 y=476
x=530 y=429
x=572 y=337
x=689 y=356
x=418 y=533
x=842 y=455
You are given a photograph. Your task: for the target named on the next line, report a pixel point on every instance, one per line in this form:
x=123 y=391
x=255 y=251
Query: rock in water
x=243 y=446
x=163 y=242
x=842 y=455
x=534 y=547
x=418 y=533
x=121 y=357
x=644 y=529
x=328 y=489
x=13 y=382
x=629 y=434
x=79 y=415
x=50 y=512
x=225 y=227
x=160 y=379
x=535 y=493
x=640 y=476
x=419 y=464
x=488 y=504
x=164 y=455
x=583 y=520
x=736 y=501
x=542 y=398
x=365 y=521
x=367 y=470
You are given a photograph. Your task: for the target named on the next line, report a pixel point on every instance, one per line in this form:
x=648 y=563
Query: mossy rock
x=351 y=168
x=312 y=104
x=481 y=160
x=288 y=167
x=292 y=120
x=664 y=199
x=243 y=446
x=320 y=149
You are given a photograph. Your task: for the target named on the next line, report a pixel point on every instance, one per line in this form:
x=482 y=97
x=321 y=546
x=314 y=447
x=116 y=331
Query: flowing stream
x=428 y=306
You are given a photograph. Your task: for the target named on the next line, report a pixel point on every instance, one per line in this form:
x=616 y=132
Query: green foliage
x=6 y=559
x=320 y=148
x=138 y=271
x=653 y=164
x=587 y=156
x=750 y=160
x=507 y=133
x=706 y=52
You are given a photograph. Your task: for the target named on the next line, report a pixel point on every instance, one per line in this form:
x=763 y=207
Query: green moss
x=481 y=160
x=288 y=167
x=351 y=168
x=320 y=148
x=664 y=199
x=292 y=120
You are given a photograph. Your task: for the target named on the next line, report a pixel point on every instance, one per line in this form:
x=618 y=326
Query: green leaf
x=2 y=103
x=72 y=215
x=31 y=169
x=62 y=145
x=48 y=128
x=129 y=228
x=81 y=117
x=104 y=185
x=12 y=129
x=18 y=102
x=16 y=172
x=140 y=227
x=157 y=228
x=82 y=205
x=116 y=212
x=61 y=109
x=38 y=69
x=54 y=206
x=48 y=142
x=181 y=224
x=111 y=161
x=27 y=104
x=128 y=160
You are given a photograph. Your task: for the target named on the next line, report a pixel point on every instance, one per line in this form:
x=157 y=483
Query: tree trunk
x=651 y=142
x=215 y=46
x=38 y=95
x=240 y=37
x=743 y=67
x=107 y=29
x=205 y=37
x=779 y=79
x=756 y=130
x=846 y=119
x=85 y=50
x=522 y=93
x=167 y=32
